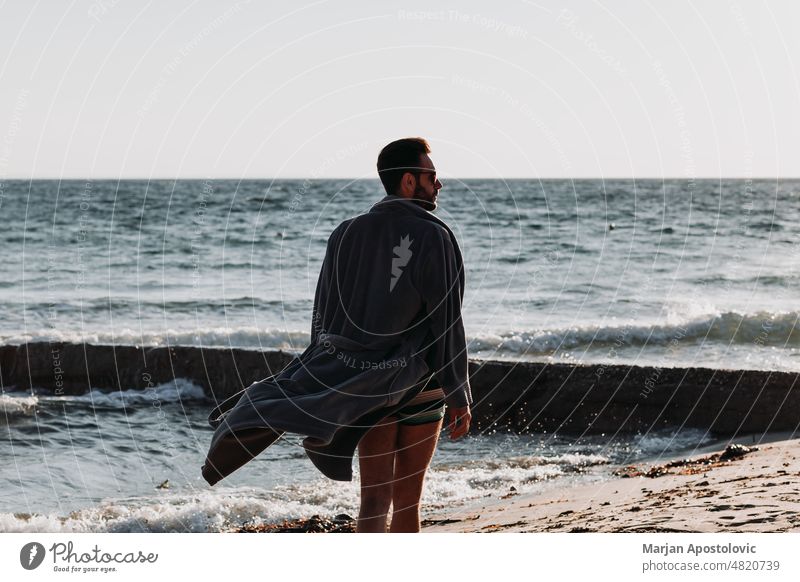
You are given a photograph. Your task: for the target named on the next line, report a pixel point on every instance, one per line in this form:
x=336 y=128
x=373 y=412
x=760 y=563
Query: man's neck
x=425 y=205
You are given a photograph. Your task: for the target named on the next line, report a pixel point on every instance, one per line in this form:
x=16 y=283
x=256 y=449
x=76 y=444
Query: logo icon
x=402 y=256
x=31 y=555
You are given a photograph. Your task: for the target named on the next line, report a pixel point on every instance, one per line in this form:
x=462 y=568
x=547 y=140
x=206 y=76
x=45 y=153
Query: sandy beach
x=737 y=488
x=752 y=488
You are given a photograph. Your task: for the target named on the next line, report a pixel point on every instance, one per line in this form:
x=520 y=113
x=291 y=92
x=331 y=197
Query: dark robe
x=386 y=323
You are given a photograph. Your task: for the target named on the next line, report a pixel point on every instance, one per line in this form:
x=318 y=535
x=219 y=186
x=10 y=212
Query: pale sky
x=135 y=89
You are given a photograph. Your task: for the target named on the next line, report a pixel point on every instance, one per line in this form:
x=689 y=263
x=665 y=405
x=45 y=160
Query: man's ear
x=407 y=182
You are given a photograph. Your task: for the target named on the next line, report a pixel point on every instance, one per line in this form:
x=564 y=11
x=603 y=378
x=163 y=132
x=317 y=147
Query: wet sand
x=738 y=489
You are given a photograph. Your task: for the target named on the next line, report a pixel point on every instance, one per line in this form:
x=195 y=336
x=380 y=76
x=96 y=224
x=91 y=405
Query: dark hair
x=399 y=157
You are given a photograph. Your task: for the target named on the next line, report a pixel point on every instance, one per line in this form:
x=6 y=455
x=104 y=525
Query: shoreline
x=738 y=488
x=750 y=491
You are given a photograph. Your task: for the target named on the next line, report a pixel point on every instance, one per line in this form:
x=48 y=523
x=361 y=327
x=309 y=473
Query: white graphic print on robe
x=402 y=256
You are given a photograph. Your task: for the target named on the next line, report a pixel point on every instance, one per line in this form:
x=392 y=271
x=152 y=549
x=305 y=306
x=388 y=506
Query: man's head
x=406 y=170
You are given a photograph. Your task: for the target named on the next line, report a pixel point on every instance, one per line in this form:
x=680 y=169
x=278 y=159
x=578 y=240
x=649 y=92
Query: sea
x=634 y=272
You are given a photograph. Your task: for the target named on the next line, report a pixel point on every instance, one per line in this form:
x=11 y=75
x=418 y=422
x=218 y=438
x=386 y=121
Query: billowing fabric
x=386 y=323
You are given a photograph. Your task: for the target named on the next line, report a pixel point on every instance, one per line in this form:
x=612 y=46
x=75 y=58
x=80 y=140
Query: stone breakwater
x=516 y=396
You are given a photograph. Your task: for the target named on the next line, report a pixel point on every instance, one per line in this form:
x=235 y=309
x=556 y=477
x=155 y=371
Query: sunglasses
x=431 y=172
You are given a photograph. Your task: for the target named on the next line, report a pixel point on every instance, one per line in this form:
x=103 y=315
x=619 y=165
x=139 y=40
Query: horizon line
x=541 y=178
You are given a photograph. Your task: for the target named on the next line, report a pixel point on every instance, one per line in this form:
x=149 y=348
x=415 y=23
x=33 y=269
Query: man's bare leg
x=376 y=453
x=415 y=447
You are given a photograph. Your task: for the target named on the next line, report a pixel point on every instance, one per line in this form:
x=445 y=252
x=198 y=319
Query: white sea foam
x=446 y=485
x=762 y=328
x=177 y=390
x=663 y=442
x=224 y=508
x=17 y=404
x=244 y=337
x=206 y=511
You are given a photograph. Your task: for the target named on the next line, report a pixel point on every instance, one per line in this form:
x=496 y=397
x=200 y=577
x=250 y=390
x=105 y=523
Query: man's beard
x=420 y=198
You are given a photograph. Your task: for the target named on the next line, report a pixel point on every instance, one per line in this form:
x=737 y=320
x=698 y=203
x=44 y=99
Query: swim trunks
x=425 y=407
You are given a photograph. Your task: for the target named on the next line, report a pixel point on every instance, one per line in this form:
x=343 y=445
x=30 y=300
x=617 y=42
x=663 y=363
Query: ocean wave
x=177 y=390
x=138 y=305
x=566 y=462
x=461 y=482
x=779 y=281
x=761 y=328
x=210 y=511
x=243 y=336
x=663 y=443
x=17 y=404
x=443 y=489
x=225 y=508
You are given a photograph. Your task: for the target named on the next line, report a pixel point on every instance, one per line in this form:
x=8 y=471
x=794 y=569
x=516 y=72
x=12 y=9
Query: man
x=394 y=455
x=387 y=347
